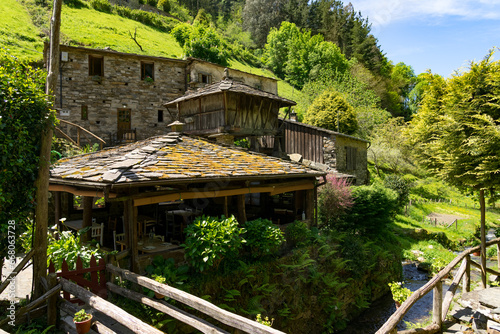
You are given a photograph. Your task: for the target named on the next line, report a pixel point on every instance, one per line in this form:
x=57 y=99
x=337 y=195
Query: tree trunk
x=483 y=237
x=42 y=182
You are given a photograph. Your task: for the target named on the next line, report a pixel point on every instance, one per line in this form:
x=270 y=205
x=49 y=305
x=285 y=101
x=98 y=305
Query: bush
x=262 y=237
x=400 y=186
x=164 y=5
x=372 y=210
x=297 y=233
x=333 y=201
x=175 y=276
x=101 y=5
x=210 y=240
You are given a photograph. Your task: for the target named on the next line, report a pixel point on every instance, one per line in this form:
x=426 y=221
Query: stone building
x=121 y=96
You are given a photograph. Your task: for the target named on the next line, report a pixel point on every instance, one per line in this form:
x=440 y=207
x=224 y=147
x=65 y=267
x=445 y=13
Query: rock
x=295 y=157
x=479 y=322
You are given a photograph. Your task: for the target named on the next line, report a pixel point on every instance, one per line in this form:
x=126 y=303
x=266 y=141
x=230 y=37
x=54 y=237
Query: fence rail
x=440 y=306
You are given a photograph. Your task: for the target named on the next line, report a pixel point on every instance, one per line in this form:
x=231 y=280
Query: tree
x=331 y=111
x=463 y=142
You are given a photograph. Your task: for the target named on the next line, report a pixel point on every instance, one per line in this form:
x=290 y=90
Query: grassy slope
x=99 y=30
x=17 y=32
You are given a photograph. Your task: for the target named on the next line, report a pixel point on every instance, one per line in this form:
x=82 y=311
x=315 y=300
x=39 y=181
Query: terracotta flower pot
x=398 y=304
x=159 y=296
x=478 y=253
x=83 y=327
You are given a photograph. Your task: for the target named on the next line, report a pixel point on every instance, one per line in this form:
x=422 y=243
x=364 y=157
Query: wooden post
x=309 y=205
x=52 y=301
x=42 y=181
x=130 y=217
x=498 y=255
x=87 y=217
x=226 y=210
x=483 y=237
x=57 y=207
x=242 y=217
x=436 y=304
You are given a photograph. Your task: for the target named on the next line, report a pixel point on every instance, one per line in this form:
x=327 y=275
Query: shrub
x=297 y=233
x=400 y=186
x=372 y=210
x=101 y=5
x=164 y=5
x=262 y=237
x=210 y=240
x=166 y=268
x=334 y=200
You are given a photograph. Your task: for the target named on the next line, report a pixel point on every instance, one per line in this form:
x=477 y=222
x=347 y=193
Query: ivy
x=23 y=113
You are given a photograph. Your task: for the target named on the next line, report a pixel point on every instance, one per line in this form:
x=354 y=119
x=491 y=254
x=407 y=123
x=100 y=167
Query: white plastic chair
x=97 y=232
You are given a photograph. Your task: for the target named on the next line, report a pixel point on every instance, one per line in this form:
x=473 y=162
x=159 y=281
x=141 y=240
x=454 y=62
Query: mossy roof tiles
x=158 y=159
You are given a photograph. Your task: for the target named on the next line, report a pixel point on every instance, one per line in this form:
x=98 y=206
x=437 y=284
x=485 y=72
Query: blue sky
x=440 y=35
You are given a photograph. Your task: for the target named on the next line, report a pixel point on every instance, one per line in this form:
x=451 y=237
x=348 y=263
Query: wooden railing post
x=466 y=282
x=437 y=304
x=498 y=255
x=52 y=301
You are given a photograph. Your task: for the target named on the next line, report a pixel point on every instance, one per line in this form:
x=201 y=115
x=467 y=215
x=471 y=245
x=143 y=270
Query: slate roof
x=229 y=86
x=321 y=129
x=173 y=158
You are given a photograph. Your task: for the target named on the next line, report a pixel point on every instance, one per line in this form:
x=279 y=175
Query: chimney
x=176 y=126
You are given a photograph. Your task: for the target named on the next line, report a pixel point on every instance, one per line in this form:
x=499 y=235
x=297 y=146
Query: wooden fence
x=440 y=306
x=62 y=282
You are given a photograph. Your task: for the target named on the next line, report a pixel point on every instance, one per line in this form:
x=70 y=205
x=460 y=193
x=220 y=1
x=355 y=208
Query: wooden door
x=124 y=122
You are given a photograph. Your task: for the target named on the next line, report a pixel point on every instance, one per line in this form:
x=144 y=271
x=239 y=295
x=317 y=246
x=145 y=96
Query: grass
x=95 y=29
x=18 y=34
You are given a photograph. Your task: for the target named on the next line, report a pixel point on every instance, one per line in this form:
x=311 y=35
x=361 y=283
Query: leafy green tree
x=461 y=140
x=23 y=109
x=331 y=111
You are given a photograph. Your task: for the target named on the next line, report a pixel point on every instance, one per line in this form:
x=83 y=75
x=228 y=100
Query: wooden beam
x=87 y=216
x=488 y=270
x=66 y=136
x=197 y=303
x=18 y=268
x=174 y=312
x=80 y=192
x=452 y=289
x=273 y=189
x=130 y=217
x=85 y=131
x=242 y=216
x=57 y=207
x=134 y=324
x=226 y=209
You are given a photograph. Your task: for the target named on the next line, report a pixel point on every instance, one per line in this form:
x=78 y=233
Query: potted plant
x=399 y=293
x=160 y=279
x=148 y=79
x=82 y=321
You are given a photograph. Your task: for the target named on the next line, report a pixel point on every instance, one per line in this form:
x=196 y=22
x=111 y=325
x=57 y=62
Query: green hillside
x=91 y=28
x=17 y=32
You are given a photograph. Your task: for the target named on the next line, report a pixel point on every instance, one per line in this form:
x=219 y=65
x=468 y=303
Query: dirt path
x=444 y=218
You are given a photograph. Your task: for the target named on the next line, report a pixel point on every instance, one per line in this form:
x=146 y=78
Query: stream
x=380 y=310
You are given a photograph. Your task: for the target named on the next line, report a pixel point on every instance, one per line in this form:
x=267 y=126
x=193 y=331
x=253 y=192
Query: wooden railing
x=440 y=306
x=79 y=131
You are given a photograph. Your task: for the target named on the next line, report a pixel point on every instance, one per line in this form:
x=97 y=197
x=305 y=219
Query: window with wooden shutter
x=351 y=153
x=96 y=66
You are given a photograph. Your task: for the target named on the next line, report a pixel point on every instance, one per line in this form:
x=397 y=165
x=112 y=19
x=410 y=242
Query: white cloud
x=384 y=12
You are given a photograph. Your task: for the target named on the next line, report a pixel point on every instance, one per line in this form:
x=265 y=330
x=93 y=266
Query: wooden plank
x=134 y=324
x=162 y=306
x=18 y=268
x=466 y=282
x=80 y=192
x=488 y=270
x=437 y=300
x=452 y=289
x=197 y=303
x=242 y=216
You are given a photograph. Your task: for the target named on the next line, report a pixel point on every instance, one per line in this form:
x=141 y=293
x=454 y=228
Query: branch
x=135 y=38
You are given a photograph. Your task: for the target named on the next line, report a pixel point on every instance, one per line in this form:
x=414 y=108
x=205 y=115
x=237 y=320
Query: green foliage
x=36 y=326
x=201 y=42
x=334 y=201
x=300 y=57
x=242 y=143
x=166 y=271
x=157 y=21
x=373 y=208
x=331 y=111
x=23 y=115
x=210 y=240
x=69 y=247
x=265 y=321
x=101 y=5
x=297 y=234
x=164 y=5
x=400 y=186
x=81 y=316
x=262 y=237
x=399 y=292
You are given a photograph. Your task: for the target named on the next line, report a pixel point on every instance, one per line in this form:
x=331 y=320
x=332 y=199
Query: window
x=147 y=71
x=85 y=113
x=204 y=78
x=160 y=116
x=350 y=153
x=96 y=66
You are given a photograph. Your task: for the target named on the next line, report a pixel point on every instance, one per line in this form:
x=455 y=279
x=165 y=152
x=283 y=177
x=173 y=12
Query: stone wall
x=120 y=87
x=329 y=151
x=360 y=170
